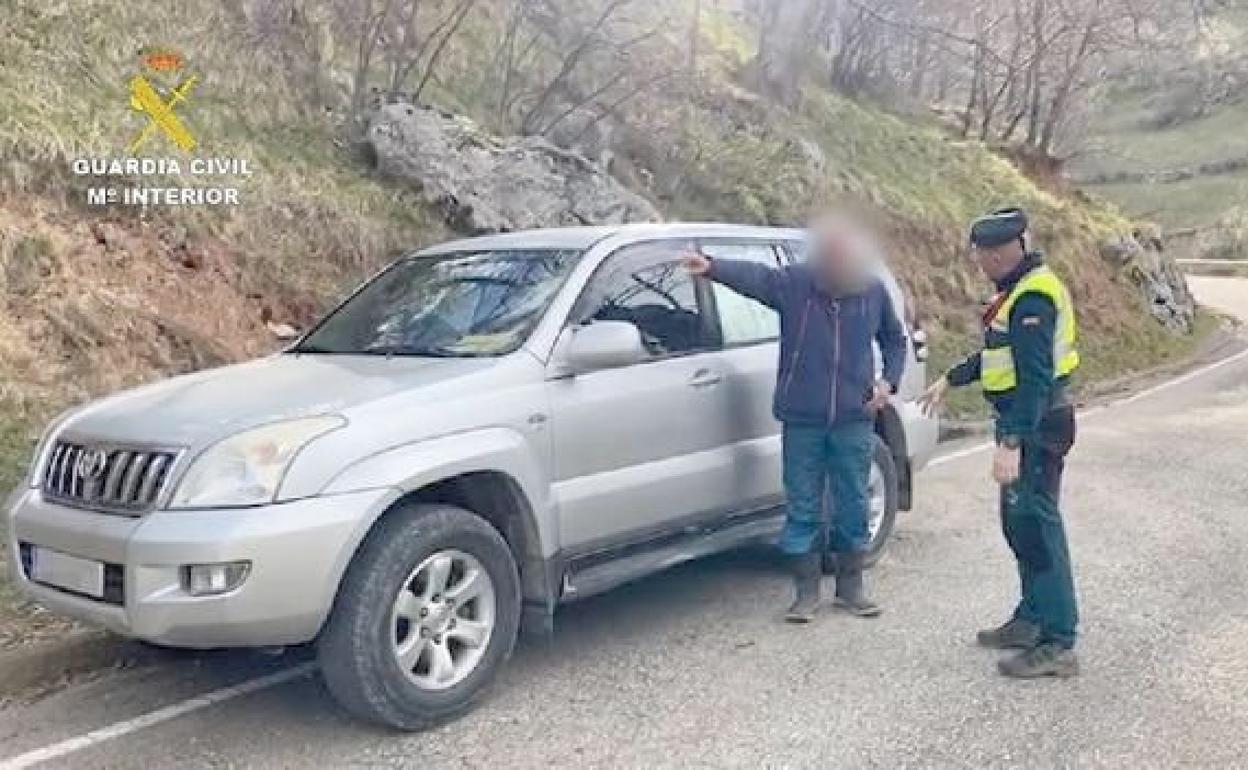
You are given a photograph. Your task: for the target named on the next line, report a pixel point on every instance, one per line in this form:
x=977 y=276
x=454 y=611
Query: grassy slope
x=1124 y=143
x=1122 y=138
x=924 y=187
x=310 y=220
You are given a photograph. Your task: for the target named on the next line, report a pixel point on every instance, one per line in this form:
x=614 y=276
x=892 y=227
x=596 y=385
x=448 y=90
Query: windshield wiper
x=416 y=351
x=316 y=349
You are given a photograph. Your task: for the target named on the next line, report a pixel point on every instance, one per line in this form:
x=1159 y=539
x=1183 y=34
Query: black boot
x=806 y=577
x=1047 y=659
x=1014 y=635
x=851 y=595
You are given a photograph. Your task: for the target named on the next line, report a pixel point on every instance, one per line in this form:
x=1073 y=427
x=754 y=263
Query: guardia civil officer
x=1024 y=367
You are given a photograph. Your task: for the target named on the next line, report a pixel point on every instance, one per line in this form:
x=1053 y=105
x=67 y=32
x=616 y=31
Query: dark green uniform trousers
x=1033 y=527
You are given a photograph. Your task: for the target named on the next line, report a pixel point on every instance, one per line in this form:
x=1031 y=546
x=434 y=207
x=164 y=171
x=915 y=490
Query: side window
x=742 y=320
x=797 y=251
x=646 y=286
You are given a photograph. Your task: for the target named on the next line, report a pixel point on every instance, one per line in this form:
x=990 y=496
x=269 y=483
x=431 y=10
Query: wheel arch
x=491 y=473
x=498 y=498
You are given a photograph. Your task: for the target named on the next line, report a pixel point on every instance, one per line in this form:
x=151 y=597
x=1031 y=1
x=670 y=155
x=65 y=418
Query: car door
x=750 y=333
x=639 y=449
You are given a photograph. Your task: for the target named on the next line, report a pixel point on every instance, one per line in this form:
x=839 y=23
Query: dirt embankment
x=95 y=305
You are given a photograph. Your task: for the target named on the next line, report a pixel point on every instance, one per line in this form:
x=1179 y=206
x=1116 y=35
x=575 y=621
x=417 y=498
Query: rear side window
x=743 y=321
x=645 y=285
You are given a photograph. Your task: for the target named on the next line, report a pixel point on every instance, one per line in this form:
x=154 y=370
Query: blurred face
x=841 y=253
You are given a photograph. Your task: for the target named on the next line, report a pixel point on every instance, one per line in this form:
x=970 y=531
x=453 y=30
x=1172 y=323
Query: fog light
x=213 y=579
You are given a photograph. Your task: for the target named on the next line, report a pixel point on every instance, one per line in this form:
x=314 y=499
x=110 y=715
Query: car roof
x=587 y=236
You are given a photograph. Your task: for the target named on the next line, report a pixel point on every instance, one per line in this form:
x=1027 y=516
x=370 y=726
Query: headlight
x=247 y=468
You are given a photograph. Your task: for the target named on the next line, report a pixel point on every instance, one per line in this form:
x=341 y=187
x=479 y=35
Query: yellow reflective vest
x=997 y=373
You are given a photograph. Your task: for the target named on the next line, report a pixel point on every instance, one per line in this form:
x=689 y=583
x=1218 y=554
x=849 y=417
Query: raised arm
x=754 y=280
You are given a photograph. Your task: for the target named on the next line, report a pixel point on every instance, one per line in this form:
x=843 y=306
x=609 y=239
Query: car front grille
x=117 y=479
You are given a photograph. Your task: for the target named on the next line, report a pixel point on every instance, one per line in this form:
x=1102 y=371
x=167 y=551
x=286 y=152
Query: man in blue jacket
x=827 y=394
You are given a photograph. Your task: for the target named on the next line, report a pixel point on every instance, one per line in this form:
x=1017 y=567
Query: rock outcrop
x=484 y=184
x=1143 y=258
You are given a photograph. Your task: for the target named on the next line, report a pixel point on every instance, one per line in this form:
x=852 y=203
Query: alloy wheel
x=442 y=619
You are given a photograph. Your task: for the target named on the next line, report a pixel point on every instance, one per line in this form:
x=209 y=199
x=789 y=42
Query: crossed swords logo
x=159 y=108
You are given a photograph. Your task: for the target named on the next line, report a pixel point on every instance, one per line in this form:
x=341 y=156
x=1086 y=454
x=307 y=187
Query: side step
x=605 y=574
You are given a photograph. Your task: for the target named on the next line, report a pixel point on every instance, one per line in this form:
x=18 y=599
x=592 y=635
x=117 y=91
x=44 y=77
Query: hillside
x=1167 y=142
x=98 y=298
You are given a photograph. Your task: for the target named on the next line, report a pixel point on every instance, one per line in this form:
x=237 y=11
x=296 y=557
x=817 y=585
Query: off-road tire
x=355 y=647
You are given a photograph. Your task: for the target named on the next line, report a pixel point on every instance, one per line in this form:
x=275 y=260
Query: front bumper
x=298 y=552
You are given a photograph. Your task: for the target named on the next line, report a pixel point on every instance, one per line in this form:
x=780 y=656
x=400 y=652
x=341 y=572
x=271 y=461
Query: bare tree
x=785 y=39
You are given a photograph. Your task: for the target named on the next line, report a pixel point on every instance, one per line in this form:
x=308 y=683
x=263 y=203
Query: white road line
x=1174 y=382
x=71 y=745
x=152 y=718
x=942 y=459
x=1184 y=378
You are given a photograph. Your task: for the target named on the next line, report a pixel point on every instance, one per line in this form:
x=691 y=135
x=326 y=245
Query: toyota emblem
x=92 y=464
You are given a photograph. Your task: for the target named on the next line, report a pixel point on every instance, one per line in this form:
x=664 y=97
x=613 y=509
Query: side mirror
x=604 y=345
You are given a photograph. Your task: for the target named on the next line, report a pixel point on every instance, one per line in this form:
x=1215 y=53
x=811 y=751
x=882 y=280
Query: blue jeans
x=814 y=458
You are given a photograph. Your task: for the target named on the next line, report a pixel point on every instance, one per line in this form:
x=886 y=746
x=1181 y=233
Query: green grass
x=1123 y=137
x=1198 y=202
x=1123 y=141
x=1129 y=144
x=19 y=620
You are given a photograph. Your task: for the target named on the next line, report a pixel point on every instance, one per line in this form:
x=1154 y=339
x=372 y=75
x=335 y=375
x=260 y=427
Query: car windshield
x=481 y=303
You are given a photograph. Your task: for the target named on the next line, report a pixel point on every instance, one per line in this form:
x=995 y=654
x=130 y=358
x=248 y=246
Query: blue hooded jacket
x=827 y=366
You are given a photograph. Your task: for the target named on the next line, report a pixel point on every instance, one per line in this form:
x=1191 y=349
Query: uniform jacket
x=1032 y=324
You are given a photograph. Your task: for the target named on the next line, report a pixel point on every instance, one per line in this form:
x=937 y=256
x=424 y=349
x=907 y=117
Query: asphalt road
x=692 y=668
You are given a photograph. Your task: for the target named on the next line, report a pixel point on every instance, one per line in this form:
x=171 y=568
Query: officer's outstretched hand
x=695 y=262
x=933 y=397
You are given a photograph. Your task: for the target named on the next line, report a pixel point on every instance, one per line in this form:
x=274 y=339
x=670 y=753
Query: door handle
x=704 y=378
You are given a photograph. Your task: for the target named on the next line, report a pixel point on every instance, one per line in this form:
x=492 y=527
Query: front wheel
x=426 y=615
x=882 y=502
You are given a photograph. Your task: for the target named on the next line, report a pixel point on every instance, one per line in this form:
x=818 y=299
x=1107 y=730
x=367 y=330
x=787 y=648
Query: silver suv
x=483 y=431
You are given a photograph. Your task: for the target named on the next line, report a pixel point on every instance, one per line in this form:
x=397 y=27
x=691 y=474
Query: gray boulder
x=1143 y=258
x=485 y=184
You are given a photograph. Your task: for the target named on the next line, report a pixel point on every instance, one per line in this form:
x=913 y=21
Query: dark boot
x=851 y=595
x=1046 y=659
x=1014 y=635
x=806 y=577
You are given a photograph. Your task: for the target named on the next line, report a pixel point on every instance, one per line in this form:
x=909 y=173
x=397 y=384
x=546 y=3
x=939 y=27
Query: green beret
x=999 y=227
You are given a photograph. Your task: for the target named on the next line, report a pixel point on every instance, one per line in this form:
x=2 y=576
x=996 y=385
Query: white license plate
x=71 y=573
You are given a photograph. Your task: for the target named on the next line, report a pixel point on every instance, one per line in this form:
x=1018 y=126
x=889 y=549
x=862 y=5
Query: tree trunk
x=1034 y=85
x=784 y=44
x=1060 y=104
